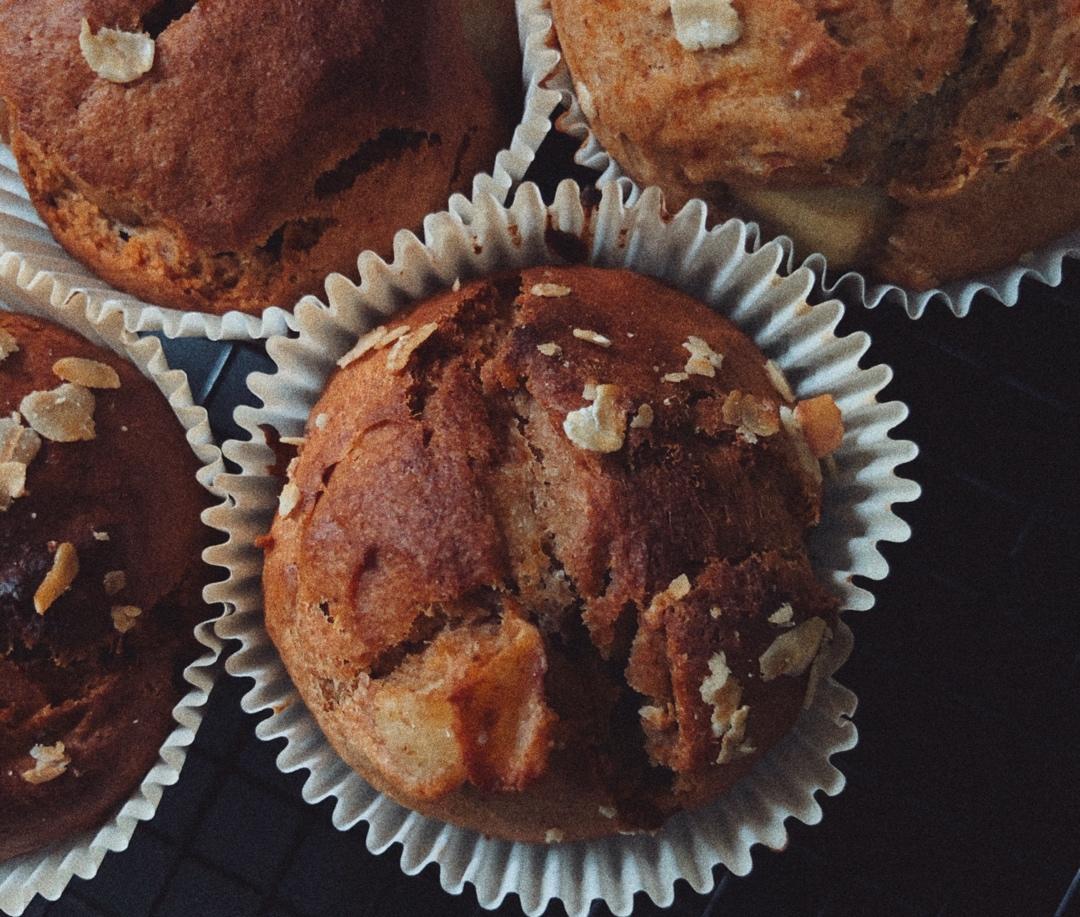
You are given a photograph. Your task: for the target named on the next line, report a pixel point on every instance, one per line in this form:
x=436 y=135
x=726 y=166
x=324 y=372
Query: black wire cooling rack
x=963 y=794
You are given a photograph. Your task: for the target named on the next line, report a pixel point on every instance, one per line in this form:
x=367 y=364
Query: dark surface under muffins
x=570 y=627
x=101 y=682
x=267 y=146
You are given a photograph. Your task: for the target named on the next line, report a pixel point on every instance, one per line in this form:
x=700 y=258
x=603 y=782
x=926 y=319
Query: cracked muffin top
x=920 y=141
x=99 y=580
x=265 y=145
x=539 y=567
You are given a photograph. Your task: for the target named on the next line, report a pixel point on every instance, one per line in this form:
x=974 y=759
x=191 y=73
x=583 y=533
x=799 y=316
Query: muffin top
x=948 y=115
x=265 y=138
x=535 y=555
x=99 y=579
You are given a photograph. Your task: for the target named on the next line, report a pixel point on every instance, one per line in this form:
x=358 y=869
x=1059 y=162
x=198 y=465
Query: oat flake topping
x=64 y=414
x=8 y=344
x=792 y=651
x=50 y=761
x=550 y=290
x=398 y=357
x=87 y=373
x=123 y=617
x=593 y=337
x=58 y=580
x=600 y=426
x=703 y=25
x=704 y=361
x=117 y=56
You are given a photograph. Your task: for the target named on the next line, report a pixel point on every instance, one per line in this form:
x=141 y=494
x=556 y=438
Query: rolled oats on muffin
x=100 y=580
x=217 y=156
x=540 y=565
x=917 y=143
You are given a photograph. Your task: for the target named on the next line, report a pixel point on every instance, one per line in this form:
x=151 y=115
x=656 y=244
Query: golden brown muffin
x=918 y=141
x=99 y=582
x=537 y=549
x=269 y=143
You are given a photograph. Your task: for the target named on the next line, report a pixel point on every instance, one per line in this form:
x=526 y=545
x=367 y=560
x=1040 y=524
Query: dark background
x=963 y=794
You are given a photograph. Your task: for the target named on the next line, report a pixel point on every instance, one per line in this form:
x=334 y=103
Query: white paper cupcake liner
x=33 y=260
x=1044 y=264
x=712 y=265
x=47 y=872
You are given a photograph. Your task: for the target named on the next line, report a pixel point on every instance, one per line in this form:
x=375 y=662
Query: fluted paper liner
x=47 y=872
x=1003 y=284
x=712 y=265
x=33 y=260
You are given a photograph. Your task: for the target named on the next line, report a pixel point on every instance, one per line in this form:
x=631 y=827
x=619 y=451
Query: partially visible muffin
x=99 y=580
x=540 y=566
x=266 y=144
x=919 y=142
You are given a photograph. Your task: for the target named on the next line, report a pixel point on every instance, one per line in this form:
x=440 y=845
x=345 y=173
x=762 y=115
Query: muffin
x=219 y=156
x=918 y=142
x=539 y=568
x=99 y=580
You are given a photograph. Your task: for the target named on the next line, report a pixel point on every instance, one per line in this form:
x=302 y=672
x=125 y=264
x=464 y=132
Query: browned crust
x=965 y=113
x=68 y=675
x=212 y=184
x=439 y=502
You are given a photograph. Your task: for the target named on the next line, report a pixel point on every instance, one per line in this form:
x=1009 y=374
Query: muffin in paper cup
x=1043 y=264
x=46 y=872
x=32 y=260
x=712 y=265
